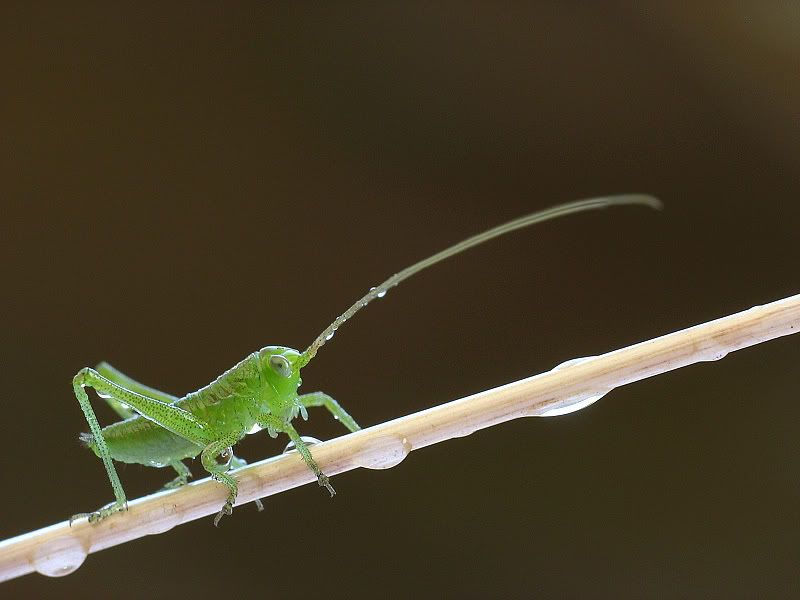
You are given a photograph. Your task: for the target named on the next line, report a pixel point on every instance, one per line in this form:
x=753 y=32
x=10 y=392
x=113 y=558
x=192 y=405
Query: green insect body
x=261 y=392
x=233 y=403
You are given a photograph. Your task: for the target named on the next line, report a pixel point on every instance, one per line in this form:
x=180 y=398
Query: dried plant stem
x=60 y=549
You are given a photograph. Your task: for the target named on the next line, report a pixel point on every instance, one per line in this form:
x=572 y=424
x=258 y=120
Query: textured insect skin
x=233 y=402
x=260 y=392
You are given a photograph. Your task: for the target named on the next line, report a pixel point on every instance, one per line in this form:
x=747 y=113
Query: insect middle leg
x=323 y=399
x=218 y=470
x=183 y=475
x=238 y=463
x=172 y=418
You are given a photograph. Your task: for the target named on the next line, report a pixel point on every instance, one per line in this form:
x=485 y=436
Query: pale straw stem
x=60 y=549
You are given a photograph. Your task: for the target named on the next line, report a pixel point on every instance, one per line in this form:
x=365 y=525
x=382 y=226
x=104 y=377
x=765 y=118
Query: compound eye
x=280 y=364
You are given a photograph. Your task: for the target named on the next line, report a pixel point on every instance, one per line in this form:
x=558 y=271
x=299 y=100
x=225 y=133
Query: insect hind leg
x=166 y=415
x=102 y=451
x=123 y=410
x=118 y=377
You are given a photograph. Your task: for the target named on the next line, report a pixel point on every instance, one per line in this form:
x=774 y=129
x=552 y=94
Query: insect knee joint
x=81 y=377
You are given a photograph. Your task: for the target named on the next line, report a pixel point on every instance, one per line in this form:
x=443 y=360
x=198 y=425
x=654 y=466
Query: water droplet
x=380 y=294
x=310 y=441
x=330 y=335
x=467 y=430
x=162 y=519
x=382 y=452
x=572 y=361
x=58 y=557
x=254 y=429
x=571 y=405
x=717 y=354
x=103 y=395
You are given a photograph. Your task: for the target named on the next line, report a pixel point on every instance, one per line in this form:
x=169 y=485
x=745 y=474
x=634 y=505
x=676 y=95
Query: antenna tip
x=648 y=200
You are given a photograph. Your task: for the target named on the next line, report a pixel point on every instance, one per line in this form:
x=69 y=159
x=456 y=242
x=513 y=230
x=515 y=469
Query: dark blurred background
x=184 y=184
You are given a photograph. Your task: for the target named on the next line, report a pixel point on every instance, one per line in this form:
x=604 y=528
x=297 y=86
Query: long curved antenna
x=537 y=217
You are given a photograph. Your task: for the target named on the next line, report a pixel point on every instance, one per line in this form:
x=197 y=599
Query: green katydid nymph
x=161 y=430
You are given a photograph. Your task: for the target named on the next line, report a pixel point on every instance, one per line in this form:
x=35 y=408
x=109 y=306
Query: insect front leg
x=276 y=424
x=323 y=399
x=172 y=418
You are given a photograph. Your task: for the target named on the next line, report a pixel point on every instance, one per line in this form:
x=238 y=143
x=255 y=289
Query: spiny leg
x=102 y=452
x=118 y=407
x=219 y=471
x=172 y=418
x=238 y=463
x=323 y=399
x=273 y=423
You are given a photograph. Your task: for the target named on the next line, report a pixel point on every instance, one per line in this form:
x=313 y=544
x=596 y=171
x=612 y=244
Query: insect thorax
x=244 y=392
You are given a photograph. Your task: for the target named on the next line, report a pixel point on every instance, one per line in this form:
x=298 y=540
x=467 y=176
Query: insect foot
x=178 y=482
x=323 y=481
x=101 y=513
x=227 y=509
